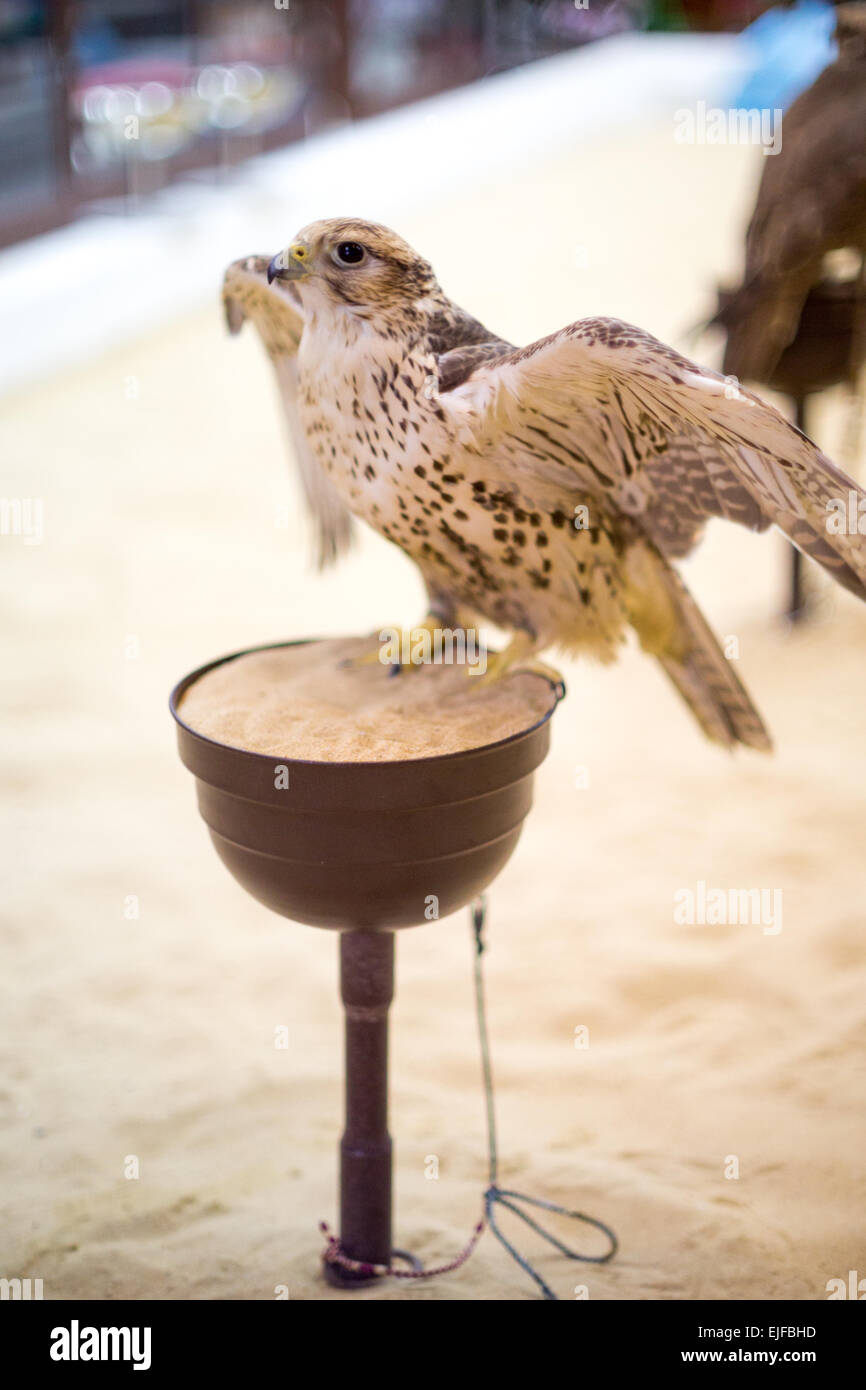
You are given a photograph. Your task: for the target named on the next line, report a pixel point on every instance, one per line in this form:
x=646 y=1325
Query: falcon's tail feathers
x=691 y=655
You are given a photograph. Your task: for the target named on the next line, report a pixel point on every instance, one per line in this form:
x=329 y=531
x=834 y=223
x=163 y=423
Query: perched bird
x=811 y=203
x=545 y=489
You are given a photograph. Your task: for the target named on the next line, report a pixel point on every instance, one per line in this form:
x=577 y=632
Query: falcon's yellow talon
x=517 y=657
x=401 y=642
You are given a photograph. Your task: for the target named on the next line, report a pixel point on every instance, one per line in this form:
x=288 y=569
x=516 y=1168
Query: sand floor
x=142 y=989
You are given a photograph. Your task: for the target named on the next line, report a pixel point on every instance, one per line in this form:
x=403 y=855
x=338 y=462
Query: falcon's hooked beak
x=293 y=264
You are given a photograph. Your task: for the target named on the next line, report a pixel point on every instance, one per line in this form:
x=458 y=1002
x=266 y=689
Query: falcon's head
x=363 y=266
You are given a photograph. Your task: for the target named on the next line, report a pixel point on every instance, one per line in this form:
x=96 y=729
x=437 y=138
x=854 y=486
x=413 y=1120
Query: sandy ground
x=142 y=988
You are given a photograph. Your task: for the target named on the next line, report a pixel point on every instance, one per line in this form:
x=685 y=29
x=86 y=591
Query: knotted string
x=334 y=1256
x=494 y=1194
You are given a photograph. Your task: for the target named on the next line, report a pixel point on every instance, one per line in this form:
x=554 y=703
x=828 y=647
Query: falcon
x=811 y=204
x=546 y=489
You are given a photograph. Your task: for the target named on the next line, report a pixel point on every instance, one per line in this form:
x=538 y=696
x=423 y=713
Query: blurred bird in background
x=545 y=489
x=811 y=203
x=797 y=323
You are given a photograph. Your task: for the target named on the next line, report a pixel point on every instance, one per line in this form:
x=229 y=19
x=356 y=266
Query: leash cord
x=494 y=1195
x=505 y=1197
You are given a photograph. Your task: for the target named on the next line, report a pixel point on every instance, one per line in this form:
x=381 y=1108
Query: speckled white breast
x=409 y=464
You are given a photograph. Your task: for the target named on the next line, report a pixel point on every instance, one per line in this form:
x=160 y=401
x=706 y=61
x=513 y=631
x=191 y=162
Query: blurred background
x=130 y=124
x=114 y=100
x=151 y=522
x=103 y=101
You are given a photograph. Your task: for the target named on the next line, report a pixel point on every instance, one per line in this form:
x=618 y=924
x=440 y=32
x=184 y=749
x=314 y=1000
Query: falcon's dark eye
x=349 y=252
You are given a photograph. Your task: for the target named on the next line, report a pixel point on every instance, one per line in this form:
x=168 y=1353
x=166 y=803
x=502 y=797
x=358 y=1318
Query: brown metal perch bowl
x=363 y=845
x=364 y=848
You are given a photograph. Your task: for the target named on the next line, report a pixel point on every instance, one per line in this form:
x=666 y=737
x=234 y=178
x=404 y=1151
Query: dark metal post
x=59 y=25
x=338 y=74
x=367 y=988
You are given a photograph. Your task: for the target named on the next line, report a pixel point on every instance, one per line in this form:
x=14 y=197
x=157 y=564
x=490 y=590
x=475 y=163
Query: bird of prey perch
x=546 y=489
x=811 y=202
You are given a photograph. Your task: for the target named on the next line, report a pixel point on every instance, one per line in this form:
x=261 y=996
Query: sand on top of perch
x=303 y=701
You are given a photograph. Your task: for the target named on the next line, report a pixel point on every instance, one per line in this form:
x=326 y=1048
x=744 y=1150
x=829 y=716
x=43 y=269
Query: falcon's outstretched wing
x=605 y=414
x=460 y=344
x=276 y=312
